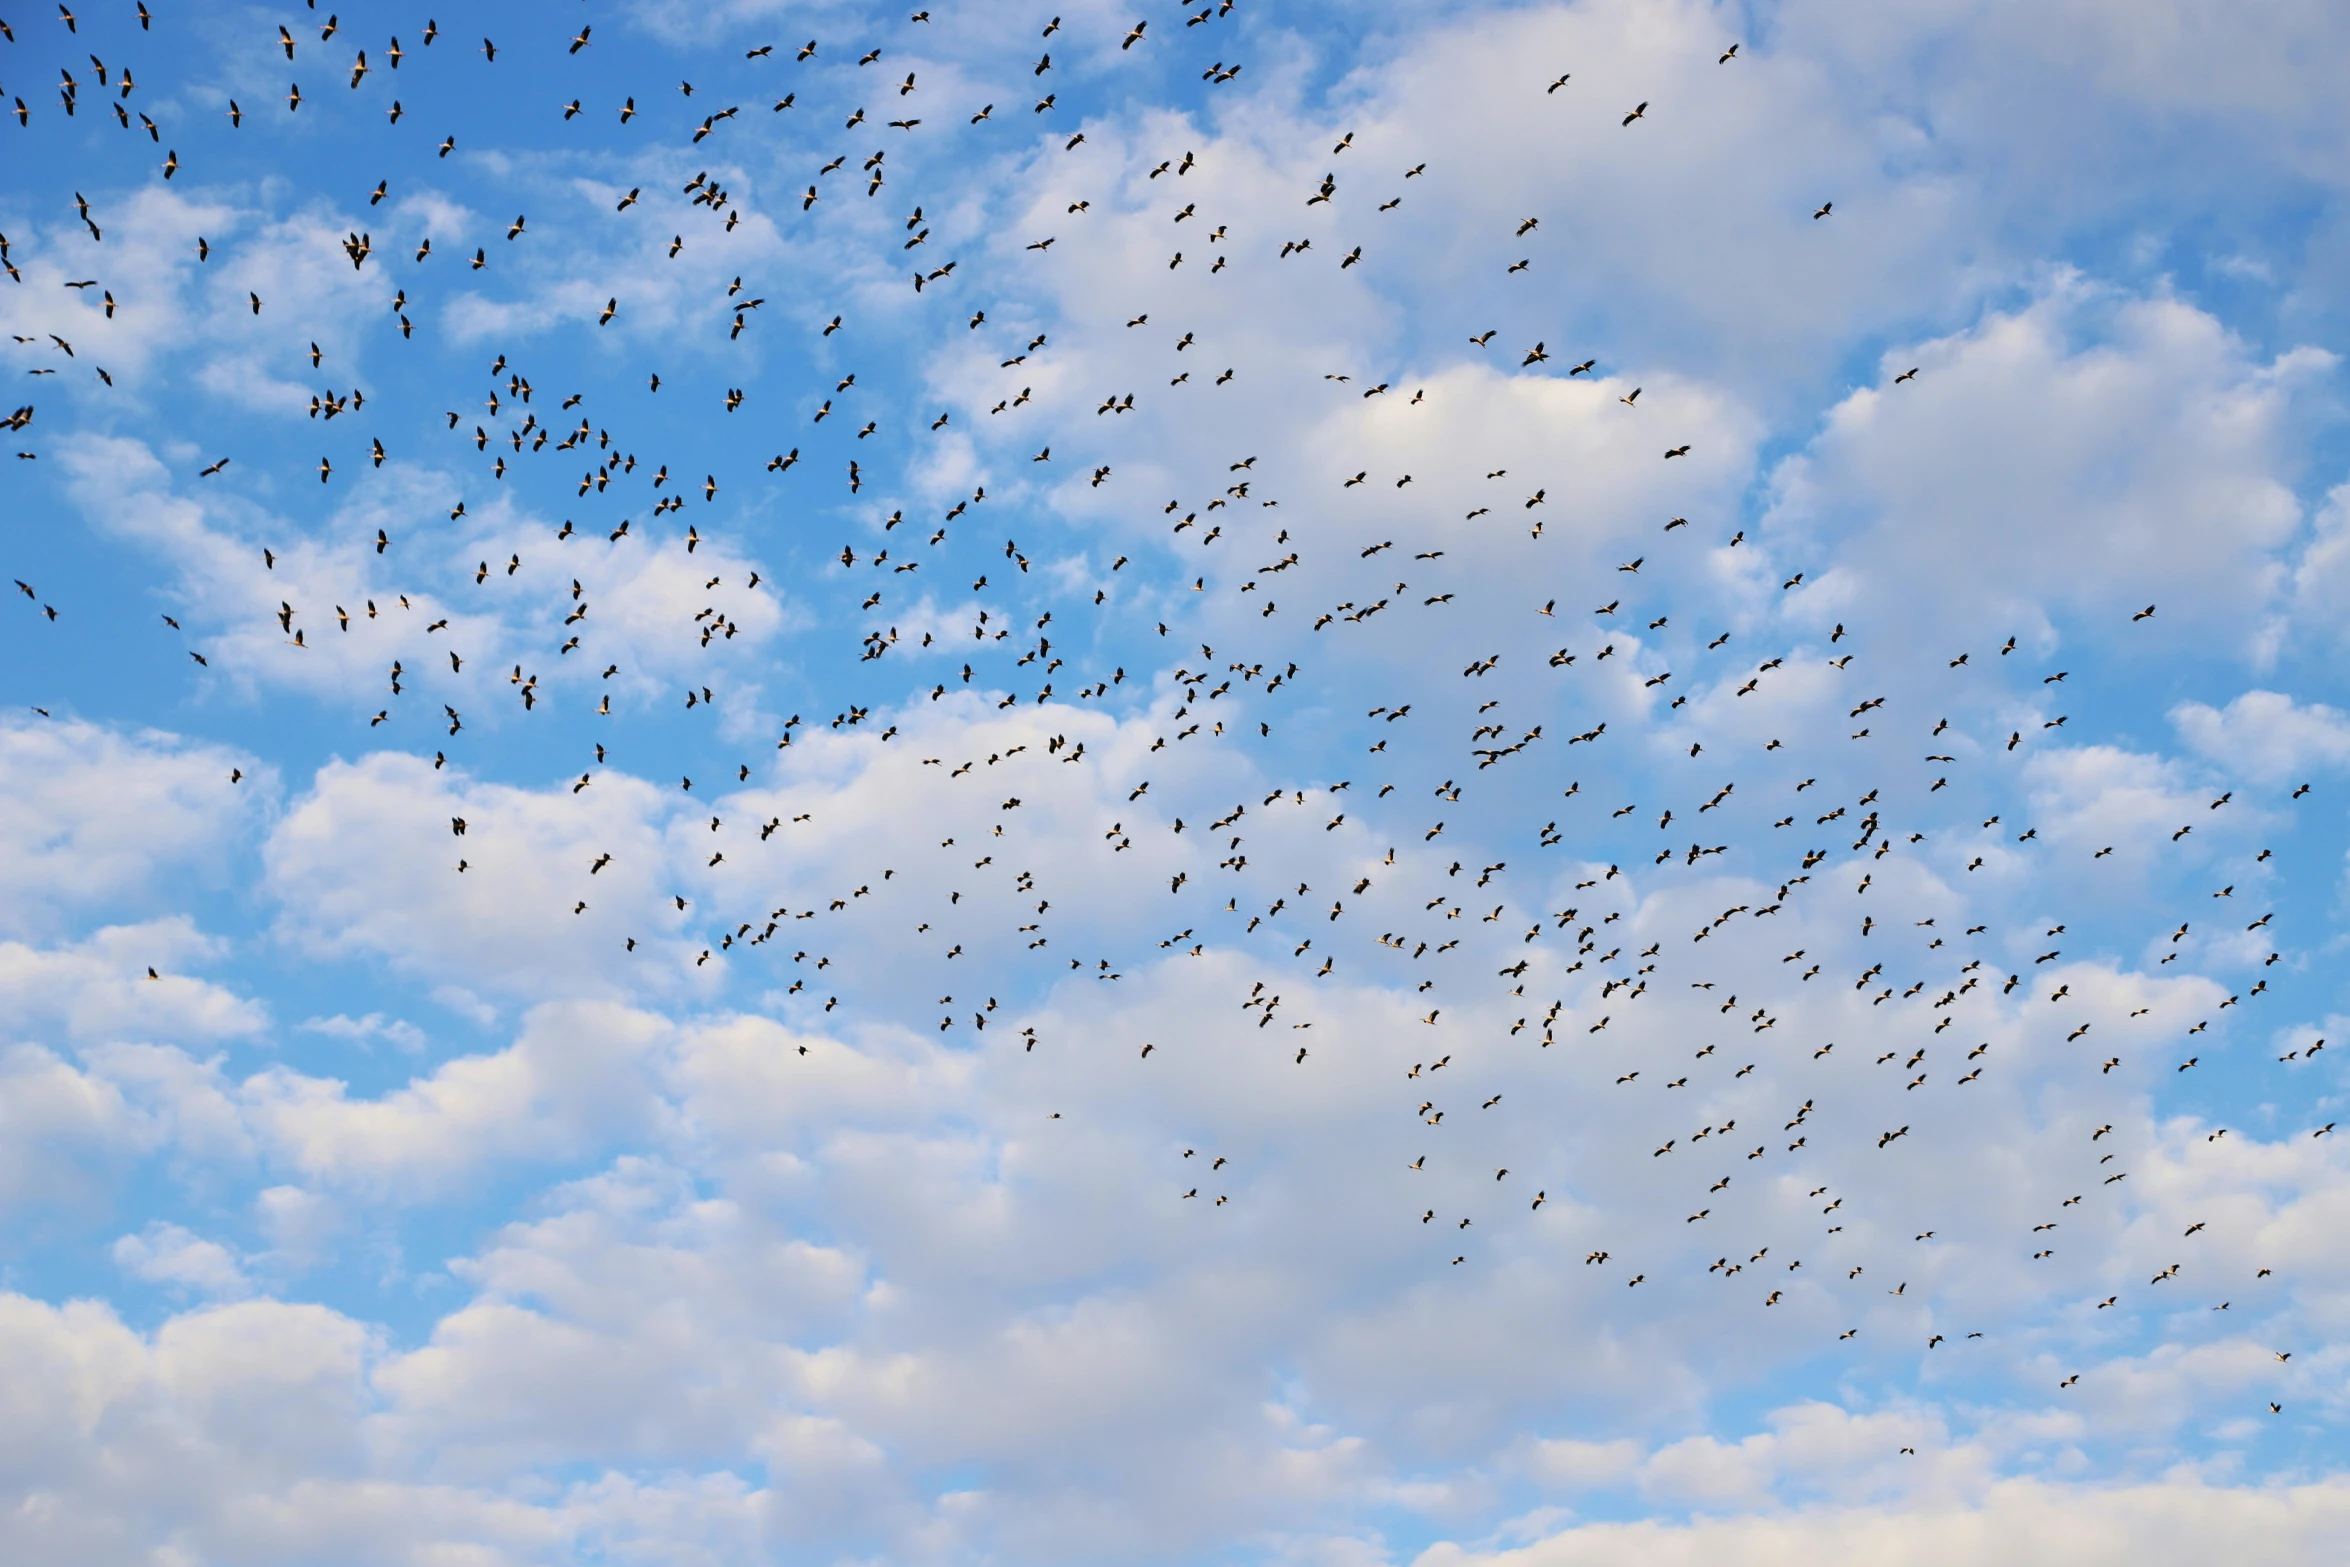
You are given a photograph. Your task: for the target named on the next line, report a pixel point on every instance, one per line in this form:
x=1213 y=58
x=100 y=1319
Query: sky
x=1349 y=786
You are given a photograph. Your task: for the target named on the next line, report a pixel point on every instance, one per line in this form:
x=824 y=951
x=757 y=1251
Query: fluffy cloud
x=2023 y=1521
x=2266 y=735
x=60 y=1122
x=361 y=611
x=2321 y=578
x=2099 y=795
x=98 y=816
x=108 y=986
x=571 y=1076
x=2065 y=461
x=366 y=863
x=170 y=1256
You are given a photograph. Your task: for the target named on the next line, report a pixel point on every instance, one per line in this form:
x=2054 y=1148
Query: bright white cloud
x=366 y=863
x=567 y=1079
x=60 y=1122
x=2267 y=735
x=2067 y=459
x=2023 y=1521
x=436 y=610
x=170 y=1256
x=116 y=984
x=398 y=1032
x=97 y=816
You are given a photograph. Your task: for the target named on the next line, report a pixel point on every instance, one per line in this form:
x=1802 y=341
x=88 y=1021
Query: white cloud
x=2267 y=736
x=641 y=602
x=678 y=23
x=169 y=304
x=173 y=1257
x=299 y=1224
x=571 y=1076
x=2111 y=796
x=1574 y=1465
x=2081 y=457
x=60 y=1122
x=232 y=1431
x=2142 y=108
x=401 y=1034
x=96 y=816
x=118 y=982
x=2032 y=1523
x=2321 y=578
x=366 y=863
x=183 y=1104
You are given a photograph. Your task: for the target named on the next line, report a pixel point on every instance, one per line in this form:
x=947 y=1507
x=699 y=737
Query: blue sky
x=1432 y=820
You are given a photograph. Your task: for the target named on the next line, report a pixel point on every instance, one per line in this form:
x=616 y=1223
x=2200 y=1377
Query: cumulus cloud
x=110 y=986
x=2024 y=1521
x=567 y=1079
x=61 y=1122
x=2065 y=460
x=398 y=1032
x=2266 y=735
x=241 y=566
x=366 y=863
x=98 y=816
x=2321 y=578
x=167 y=1255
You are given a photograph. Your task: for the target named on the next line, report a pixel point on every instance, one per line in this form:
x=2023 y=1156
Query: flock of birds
x=1484 y=964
